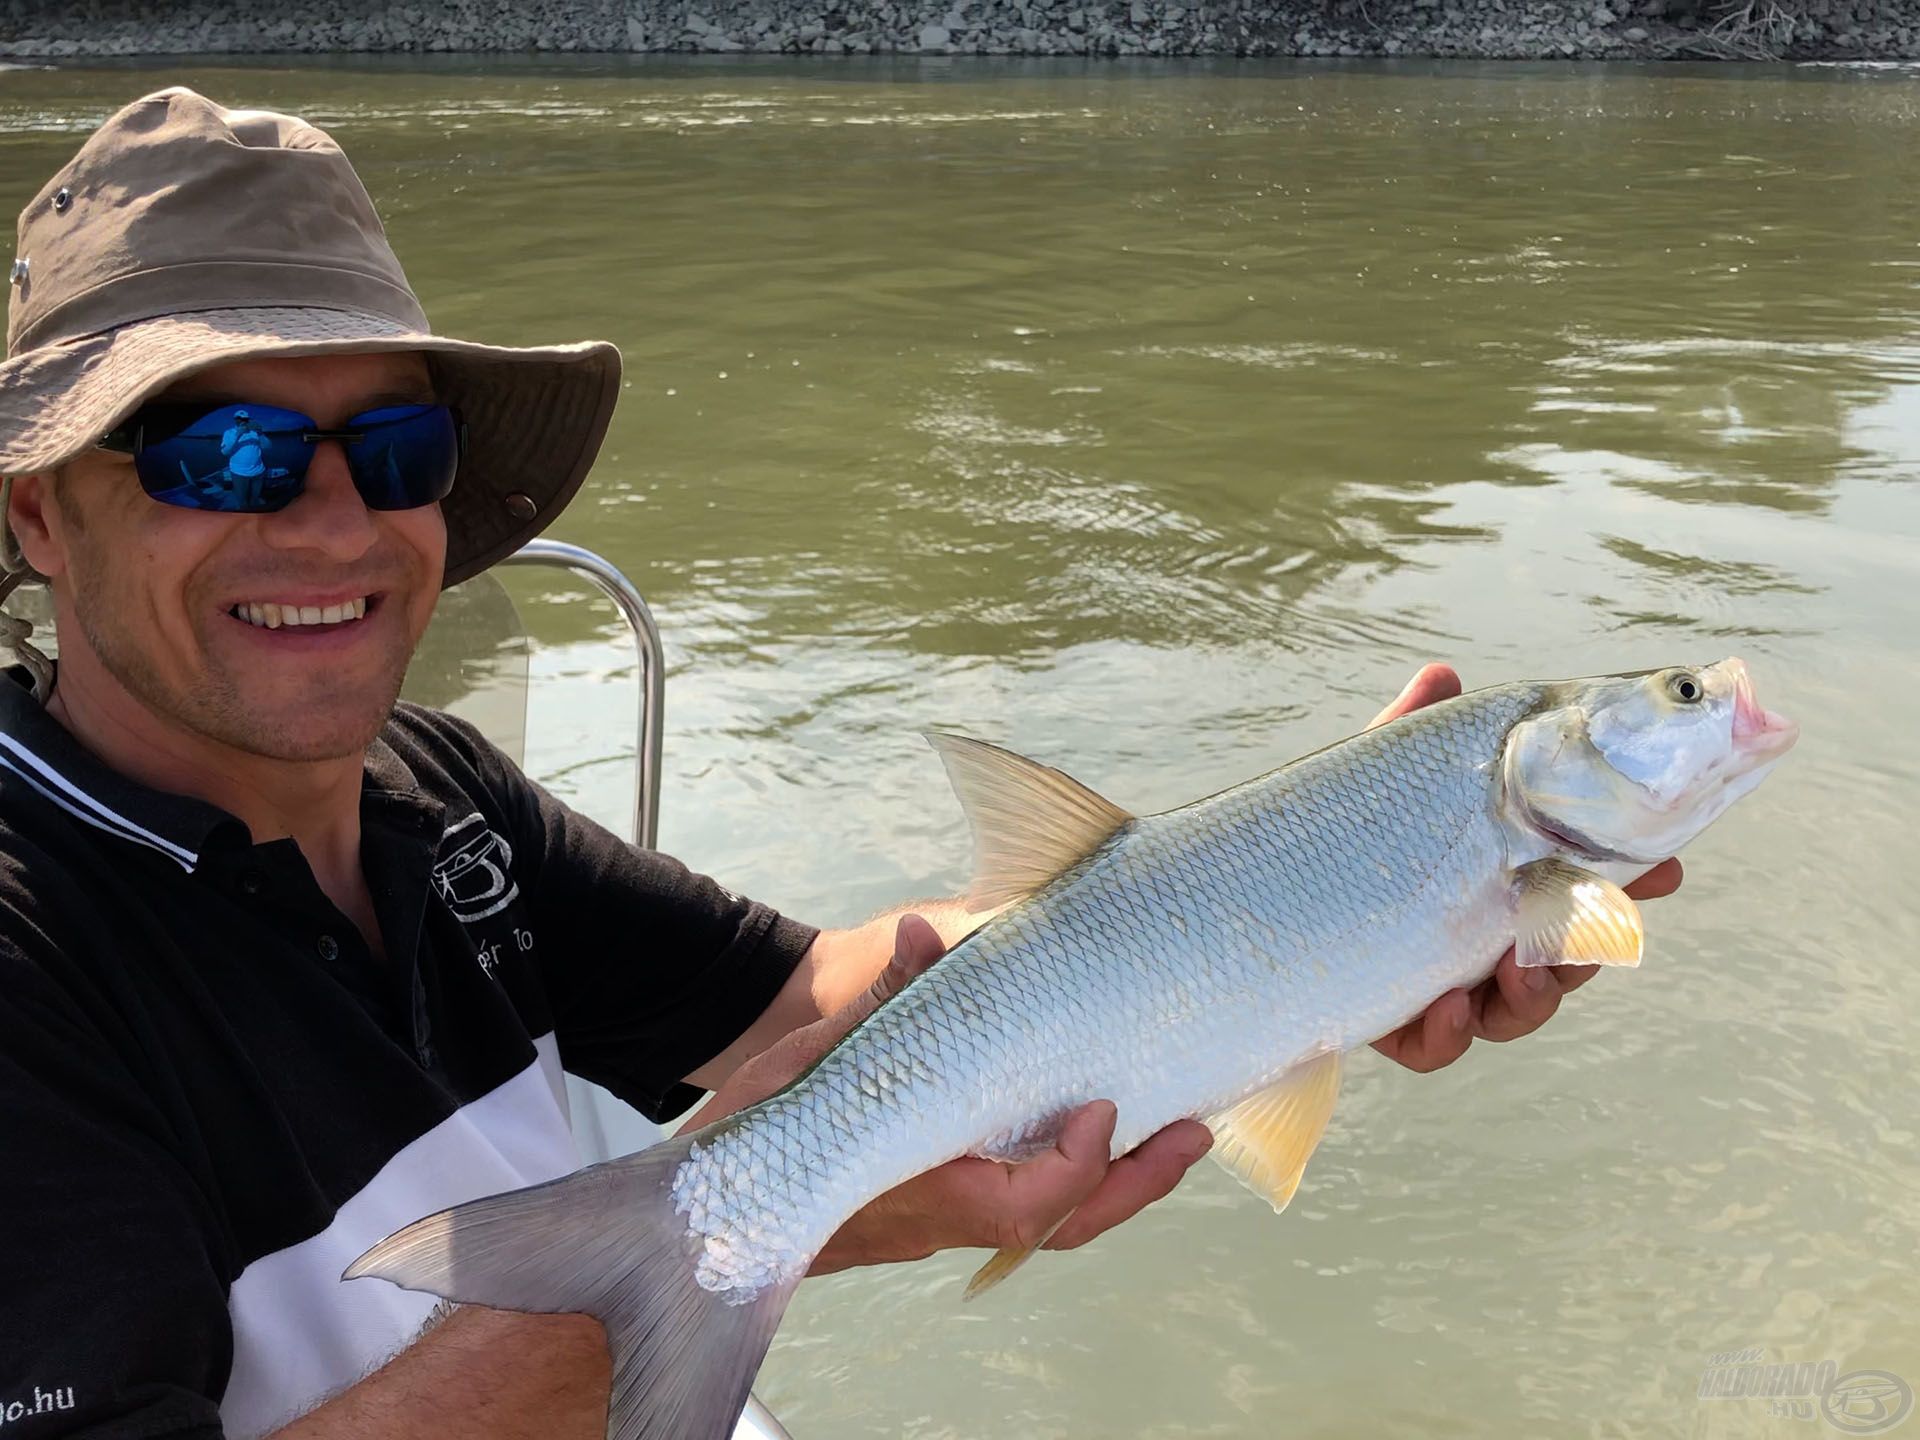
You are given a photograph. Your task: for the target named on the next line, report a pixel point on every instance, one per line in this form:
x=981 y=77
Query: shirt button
x=329 y=948
x=252 y=882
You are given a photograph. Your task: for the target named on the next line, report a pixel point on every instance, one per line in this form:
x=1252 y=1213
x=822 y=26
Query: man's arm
x=480 y=1372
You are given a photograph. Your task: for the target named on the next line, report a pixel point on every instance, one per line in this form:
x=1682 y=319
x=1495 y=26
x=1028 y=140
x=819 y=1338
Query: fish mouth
x=1758 y=733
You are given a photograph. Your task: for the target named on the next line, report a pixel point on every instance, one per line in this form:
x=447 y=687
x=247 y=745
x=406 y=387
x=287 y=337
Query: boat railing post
x=607 y=578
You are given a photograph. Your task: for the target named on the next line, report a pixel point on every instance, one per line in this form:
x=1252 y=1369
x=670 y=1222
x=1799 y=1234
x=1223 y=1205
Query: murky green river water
x=1158 y=422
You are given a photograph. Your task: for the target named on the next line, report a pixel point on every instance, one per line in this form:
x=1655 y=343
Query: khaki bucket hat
x=184 y=235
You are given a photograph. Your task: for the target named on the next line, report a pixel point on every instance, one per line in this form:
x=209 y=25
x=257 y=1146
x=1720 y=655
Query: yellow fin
x=1005 y=1262
x=1267 y=1139
x=1570 y=916
x=1030 y=822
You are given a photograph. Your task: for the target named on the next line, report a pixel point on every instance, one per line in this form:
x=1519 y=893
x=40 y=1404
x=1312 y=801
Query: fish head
x=1632 y=767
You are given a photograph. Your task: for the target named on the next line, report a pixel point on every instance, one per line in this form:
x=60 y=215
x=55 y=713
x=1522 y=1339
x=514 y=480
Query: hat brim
x=535 y=416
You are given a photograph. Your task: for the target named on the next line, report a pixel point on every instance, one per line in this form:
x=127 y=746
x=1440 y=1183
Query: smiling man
x=250 y=1022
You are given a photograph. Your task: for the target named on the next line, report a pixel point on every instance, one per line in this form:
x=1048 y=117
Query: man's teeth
x=272 y=616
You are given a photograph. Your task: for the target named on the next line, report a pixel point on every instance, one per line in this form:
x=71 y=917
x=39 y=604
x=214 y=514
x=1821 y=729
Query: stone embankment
x=1502 y=29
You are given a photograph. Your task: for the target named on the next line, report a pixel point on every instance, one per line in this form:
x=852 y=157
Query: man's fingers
x=1044 y=1190
x=1662 y=879
x=1516 y=1001
x=1430 y=683
x=1438 y=1037
x=1135 y=1181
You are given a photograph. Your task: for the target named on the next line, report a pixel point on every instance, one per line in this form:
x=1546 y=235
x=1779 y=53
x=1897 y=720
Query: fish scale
x=1214 y=961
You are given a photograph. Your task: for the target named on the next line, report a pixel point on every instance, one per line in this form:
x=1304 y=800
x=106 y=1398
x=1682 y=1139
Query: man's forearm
x=837 y=967
x=495 y=1373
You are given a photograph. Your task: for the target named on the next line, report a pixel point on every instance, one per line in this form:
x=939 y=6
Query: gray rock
x=74 y=29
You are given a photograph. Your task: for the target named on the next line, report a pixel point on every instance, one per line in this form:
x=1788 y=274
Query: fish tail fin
x=608 y=1242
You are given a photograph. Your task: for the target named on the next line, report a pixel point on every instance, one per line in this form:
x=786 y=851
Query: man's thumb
x=916 y=945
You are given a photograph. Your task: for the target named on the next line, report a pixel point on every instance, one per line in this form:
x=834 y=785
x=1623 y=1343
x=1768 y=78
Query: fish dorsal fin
x=1570 y=916
x=1030 y=822
x=1266 y=1140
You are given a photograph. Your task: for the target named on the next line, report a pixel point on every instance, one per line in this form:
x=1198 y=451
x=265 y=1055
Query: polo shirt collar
x=40 y=751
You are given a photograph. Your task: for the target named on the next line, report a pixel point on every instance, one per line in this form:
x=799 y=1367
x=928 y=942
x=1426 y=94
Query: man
x=245 y=451
x=257 y=1010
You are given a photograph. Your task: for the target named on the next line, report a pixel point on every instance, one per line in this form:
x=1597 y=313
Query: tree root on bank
x=1745 y=30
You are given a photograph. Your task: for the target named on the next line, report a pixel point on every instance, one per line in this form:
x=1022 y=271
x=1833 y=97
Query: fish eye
x=1686 y=688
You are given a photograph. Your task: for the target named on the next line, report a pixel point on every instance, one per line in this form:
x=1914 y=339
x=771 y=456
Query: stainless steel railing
x=616 y=587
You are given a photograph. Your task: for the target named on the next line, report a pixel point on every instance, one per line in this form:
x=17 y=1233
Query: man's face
x=161 y=594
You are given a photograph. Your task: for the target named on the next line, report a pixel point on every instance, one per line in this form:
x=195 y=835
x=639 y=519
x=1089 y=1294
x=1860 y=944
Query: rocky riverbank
x=1486 y=29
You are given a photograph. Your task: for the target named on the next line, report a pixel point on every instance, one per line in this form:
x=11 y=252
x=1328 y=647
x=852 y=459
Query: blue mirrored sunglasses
x=251 y=459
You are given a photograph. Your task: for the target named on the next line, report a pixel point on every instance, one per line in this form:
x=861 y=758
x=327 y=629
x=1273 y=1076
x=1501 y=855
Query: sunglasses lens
x=406 y=457
x=243 y=458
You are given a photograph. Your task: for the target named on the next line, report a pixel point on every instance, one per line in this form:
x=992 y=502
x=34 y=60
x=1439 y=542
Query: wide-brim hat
x=185 y=235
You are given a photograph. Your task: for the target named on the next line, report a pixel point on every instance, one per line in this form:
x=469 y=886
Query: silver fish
x=1214 y=961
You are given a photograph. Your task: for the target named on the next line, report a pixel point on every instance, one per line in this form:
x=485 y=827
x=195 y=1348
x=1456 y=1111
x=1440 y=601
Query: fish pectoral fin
x=1030 y=822
x=1266 y=1140
x=1005 y=1262
x=1570 y=916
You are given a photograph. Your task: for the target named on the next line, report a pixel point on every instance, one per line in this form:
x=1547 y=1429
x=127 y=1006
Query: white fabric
x=300 y=1333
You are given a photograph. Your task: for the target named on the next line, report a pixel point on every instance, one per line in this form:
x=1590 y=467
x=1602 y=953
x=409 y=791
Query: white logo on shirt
x=475 y=876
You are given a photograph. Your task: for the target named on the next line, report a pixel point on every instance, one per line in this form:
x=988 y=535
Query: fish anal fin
x=1005 y=1262
x=1570 y=916
x=1266 y=1140
x=1030 y=822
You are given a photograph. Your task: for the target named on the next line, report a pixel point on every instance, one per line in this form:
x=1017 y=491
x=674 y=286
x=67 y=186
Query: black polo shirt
x=213 y=1096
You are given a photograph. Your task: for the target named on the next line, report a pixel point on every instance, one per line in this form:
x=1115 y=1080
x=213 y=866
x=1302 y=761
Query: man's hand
x=1511 y=1002
x=969 y=1201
